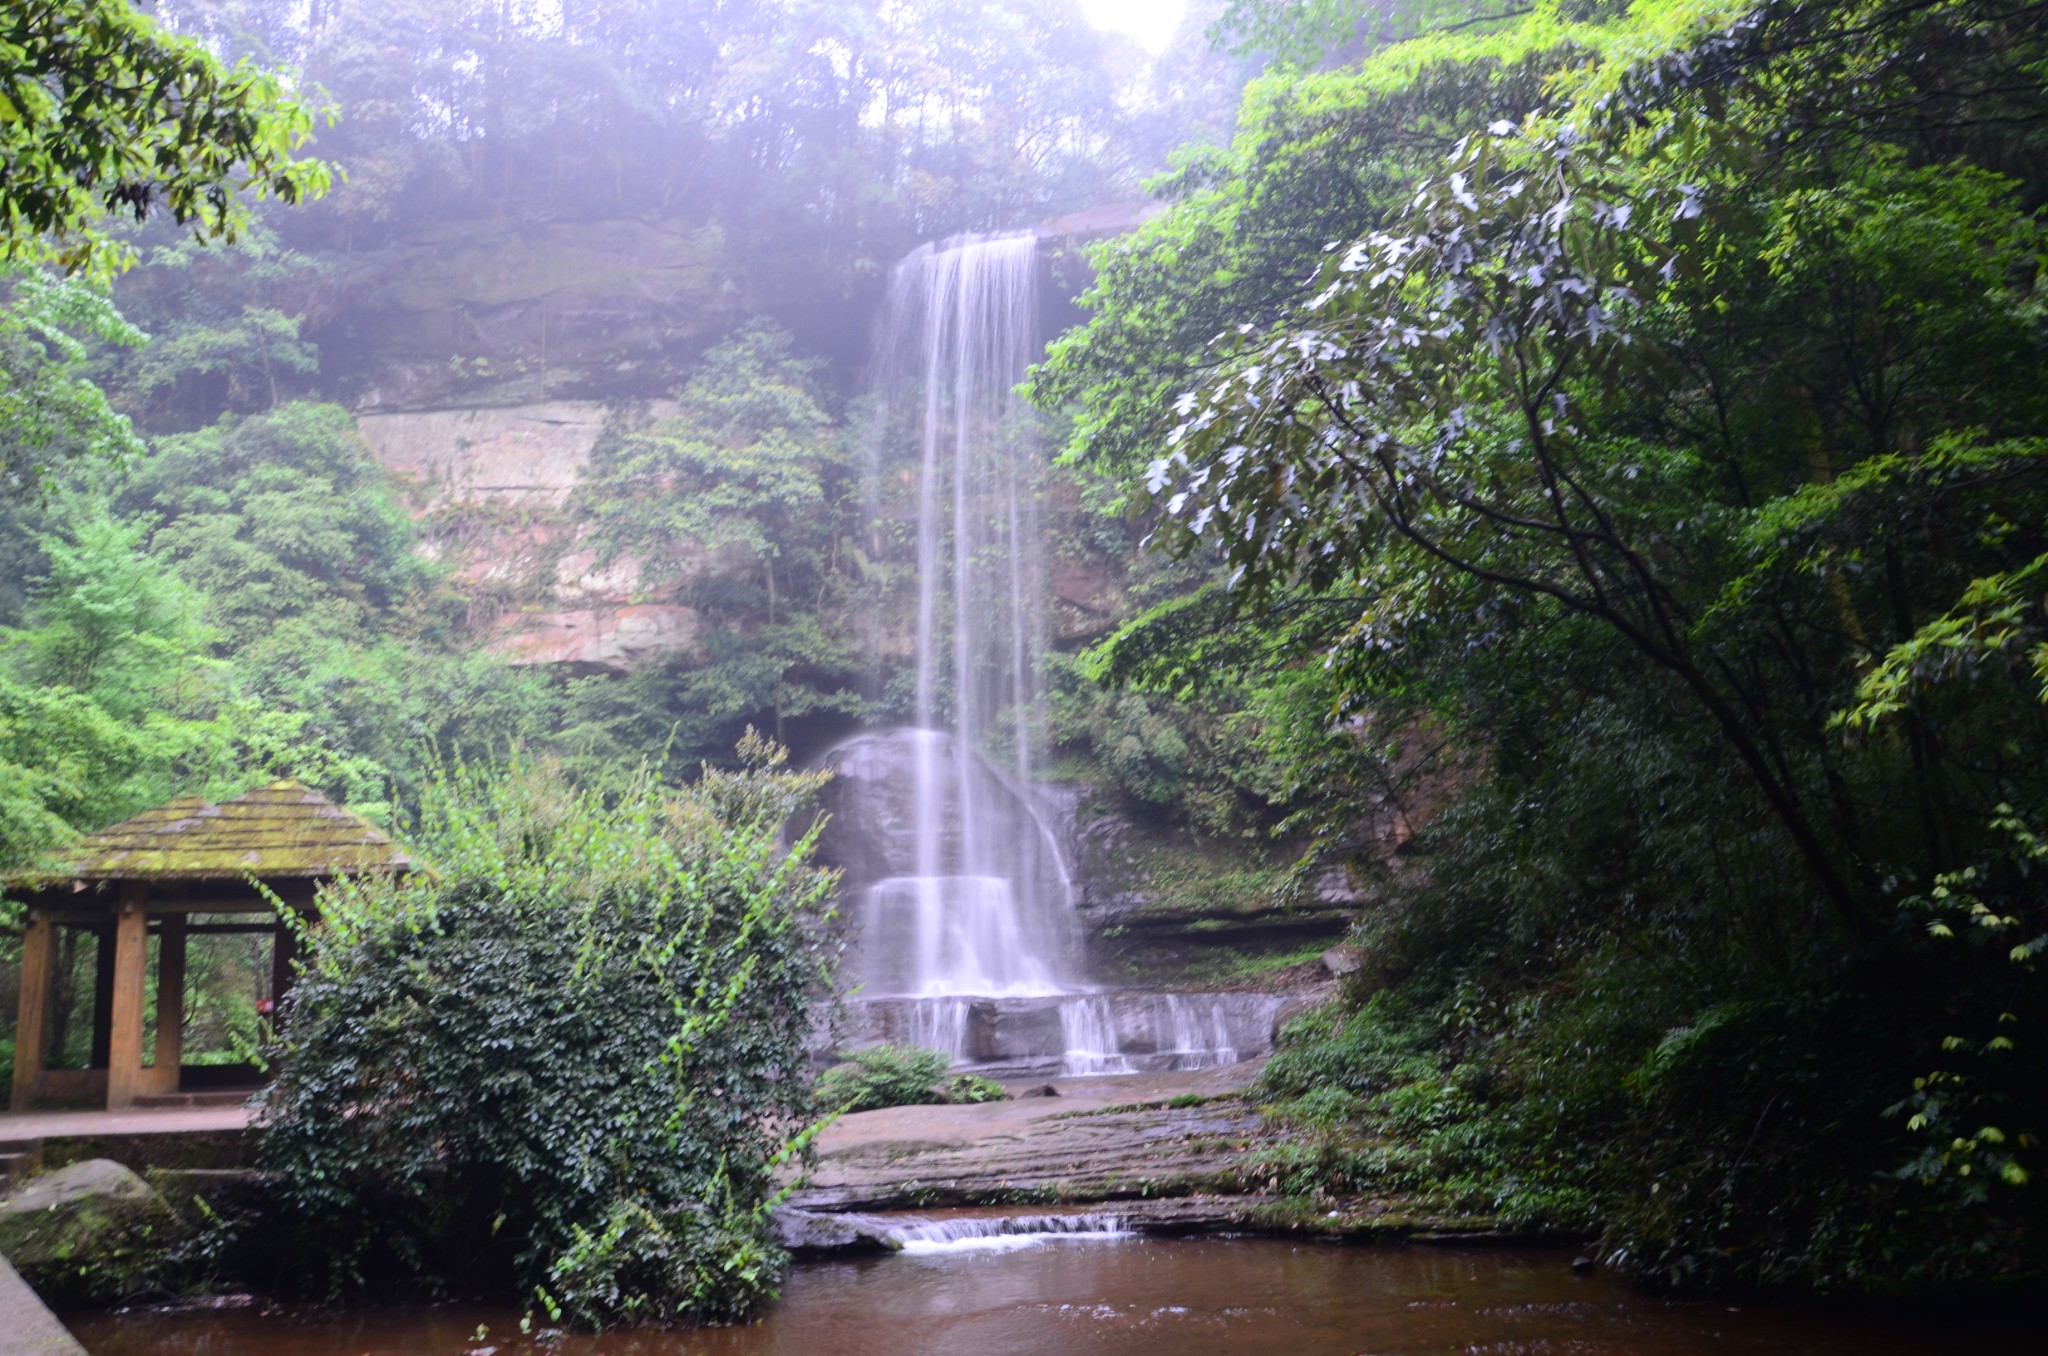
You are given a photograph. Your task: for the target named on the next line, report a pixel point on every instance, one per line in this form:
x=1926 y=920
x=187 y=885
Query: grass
x=1236 y=965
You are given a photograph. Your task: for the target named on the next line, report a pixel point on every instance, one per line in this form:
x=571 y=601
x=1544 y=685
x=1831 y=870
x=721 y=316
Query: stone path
x=23 y=1125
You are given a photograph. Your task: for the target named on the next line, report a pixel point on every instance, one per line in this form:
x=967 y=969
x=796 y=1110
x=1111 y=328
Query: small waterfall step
x=1076 y=1034
x=997 y=1233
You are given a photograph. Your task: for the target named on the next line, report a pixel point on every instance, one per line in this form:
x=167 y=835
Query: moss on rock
x=92 y=1233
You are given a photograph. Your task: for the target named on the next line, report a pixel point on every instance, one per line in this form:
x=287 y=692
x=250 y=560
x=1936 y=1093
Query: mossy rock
x=89 y=1234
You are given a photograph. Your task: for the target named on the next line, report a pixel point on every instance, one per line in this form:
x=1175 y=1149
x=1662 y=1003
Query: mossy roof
x=283 y=830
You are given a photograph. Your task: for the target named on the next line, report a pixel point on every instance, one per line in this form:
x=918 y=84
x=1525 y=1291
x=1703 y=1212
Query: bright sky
x=1151 y=22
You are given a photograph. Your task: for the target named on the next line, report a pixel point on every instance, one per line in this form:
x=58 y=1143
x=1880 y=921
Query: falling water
x=968 y=940
x=987 y=907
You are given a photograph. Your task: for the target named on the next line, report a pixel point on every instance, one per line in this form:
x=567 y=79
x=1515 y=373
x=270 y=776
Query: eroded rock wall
x=494 y=491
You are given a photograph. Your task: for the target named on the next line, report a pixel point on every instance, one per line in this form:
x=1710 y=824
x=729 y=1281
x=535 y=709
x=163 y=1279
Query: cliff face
x=487 y=356
x=454 y=314
x=494 y=492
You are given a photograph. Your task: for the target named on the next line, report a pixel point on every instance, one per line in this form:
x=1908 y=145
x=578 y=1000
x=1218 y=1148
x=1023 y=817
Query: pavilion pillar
x=283 y=951
x=131 y=960
x=170 y=999
x=31 y=1026
x=102 y=995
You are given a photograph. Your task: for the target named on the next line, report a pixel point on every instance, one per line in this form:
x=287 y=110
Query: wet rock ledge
x=1170 y=1153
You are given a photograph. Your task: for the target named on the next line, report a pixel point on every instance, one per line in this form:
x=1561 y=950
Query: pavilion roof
x=281 y=830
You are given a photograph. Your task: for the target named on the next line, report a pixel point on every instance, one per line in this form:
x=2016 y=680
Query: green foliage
x=104 y=111
x=112 y=701
x=1306 y=32
x=287 y=524
x=707 y=1261
x=884 y=1075
x=571 y=1055
x=109 y=623
x=741 y=503
x=970 y=1089
x=1684 y=465
x=64 y=763
x=50 y=413
x=750 y=466
x=827 y=137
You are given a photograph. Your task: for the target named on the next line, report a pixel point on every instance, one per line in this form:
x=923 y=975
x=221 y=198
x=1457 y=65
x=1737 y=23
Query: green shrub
x=884 y=1075
x=969 y=1088
x=569 y=1057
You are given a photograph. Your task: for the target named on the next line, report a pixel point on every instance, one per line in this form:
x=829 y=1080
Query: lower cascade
x=966 y=937
x=998 y=1233
x=1092 y=1032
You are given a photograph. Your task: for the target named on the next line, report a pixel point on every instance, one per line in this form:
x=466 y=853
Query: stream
x=1090 y=1290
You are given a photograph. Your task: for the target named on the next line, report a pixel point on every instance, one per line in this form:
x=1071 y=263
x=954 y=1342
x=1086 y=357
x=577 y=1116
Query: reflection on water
x=1132 y=1298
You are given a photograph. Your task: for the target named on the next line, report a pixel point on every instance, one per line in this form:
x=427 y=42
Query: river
x=1122 y=1295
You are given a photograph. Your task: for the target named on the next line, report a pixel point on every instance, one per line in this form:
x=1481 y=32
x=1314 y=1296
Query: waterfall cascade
x=967 y=935
x=1006 y=1233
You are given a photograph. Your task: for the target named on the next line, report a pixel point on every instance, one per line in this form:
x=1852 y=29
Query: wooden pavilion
x=169 y=873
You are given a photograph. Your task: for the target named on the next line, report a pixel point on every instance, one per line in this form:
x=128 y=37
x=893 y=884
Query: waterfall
x=966 y=937
x=1088 y=1032
x=986 y=908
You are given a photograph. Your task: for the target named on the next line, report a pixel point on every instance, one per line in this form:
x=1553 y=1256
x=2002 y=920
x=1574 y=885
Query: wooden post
x=31 y=1029
x=131 y=960
x=170 y=999
x=102 y=995
x=283 y=951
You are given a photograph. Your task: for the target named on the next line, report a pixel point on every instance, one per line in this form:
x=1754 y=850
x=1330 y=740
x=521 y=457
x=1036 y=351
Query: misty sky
x=1149 y=21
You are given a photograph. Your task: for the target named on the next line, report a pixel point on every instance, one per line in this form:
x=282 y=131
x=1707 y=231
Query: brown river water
x=1125 y=1296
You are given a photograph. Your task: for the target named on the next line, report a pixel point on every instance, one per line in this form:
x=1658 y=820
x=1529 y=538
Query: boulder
x=89 y=1234
x=813 y=1233
x=1343 y=960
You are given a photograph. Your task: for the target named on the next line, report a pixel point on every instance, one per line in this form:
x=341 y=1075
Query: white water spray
x=1002 y=1233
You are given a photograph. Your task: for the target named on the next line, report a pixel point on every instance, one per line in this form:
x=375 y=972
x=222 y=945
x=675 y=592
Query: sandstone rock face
x=616 y=638
x=86 y=1234
x=528 y=455
x=493 y=489
x=1087 y=599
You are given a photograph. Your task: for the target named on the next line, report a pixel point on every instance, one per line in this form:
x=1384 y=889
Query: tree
x=741 y=502
x=49 y=411
x=1662 y=422
x=102 y=111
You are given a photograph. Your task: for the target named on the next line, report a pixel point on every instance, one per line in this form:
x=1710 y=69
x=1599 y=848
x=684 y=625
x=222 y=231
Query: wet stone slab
x=1095 y=1139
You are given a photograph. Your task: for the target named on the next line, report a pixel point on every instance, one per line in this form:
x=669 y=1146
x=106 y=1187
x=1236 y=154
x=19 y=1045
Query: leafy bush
x=884 y=1075
x=567 y=1057
x=968 y=1089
